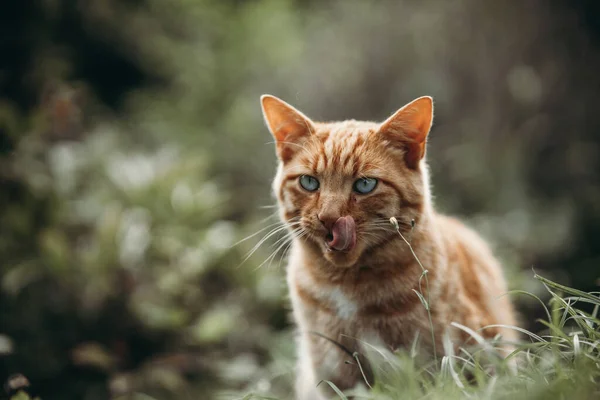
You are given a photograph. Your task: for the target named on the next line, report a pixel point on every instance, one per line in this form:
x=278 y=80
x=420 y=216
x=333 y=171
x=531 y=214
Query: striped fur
x=368 y=293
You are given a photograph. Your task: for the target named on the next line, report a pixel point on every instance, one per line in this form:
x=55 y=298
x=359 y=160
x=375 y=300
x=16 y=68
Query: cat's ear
x=287 y=125
x=409 y=127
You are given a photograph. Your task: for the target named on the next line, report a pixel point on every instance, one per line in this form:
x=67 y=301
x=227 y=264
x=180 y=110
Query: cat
x=351 y=275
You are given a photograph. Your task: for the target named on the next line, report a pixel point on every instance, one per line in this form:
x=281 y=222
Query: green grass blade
x=335 y=389
x=566 y=289
x=533 y=296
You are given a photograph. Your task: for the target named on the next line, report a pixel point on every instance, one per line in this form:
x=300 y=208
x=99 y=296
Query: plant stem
x=394 y=222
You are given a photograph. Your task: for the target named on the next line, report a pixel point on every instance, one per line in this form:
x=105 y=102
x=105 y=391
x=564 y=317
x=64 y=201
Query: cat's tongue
x=344 y=234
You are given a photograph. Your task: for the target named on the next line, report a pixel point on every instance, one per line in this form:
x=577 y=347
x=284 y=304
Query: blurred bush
x=133 y=156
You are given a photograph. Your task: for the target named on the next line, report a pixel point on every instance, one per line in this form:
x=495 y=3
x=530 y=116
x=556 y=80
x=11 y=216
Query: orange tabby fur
x=367 y=293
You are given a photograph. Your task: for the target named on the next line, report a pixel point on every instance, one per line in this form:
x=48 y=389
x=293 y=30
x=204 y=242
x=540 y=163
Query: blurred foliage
x=133 y=156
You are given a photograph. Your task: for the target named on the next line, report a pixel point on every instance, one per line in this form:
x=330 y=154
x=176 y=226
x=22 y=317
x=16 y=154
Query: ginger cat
x=350 y=274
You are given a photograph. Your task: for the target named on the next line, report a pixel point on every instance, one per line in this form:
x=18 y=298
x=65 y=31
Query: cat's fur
x=368 y=292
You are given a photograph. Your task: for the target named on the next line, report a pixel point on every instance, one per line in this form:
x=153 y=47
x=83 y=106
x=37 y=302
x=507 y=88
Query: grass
x=560 y=362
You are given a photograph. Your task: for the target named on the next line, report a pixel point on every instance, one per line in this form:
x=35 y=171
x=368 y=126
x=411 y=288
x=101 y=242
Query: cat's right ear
x=409 y=127
x=287 y=125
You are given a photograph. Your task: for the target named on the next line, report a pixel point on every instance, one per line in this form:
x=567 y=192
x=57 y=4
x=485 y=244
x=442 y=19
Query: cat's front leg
x=320 y=360
x=306 y=382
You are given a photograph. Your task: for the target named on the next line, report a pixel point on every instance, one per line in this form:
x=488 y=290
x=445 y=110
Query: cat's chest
x=353 y=302
x=340 y=304
x=332 y=311
x=323 y=304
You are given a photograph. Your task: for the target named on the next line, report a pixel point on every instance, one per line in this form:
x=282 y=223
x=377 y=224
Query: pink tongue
x=344 y=234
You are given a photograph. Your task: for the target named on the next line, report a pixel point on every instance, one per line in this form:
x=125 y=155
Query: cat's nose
x=327 y=219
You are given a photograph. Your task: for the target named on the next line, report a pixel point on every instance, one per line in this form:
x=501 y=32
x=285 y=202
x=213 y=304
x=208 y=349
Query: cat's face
x=339 y=183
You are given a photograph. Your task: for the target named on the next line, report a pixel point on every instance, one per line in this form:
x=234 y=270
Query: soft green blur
x=133 y=158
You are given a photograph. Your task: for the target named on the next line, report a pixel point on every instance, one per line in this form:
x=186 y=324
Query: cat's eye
x=365 y=185
x=309 y=183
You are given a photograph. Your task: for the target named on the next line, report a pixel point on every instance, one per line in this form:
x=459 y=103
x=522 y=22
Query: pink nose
x=328 y=220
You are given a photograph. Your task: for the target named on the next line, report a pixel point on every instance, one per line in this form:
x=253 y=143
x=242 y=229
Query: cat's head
x=338 y=183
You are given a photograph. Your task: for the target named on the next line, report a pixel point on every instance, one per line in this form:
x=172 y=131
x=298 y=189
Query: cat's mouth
x=342 y=237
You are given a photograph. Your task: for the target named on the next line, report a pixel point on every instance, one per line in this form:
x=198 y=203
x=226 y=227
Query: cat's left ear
x=409 y=127
x=287 y=125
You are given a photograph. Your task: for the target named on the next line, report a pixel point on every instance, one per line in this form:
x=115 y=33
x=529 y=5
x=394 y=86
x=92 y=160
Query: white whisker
x=270 y=206
x=265 y=238
x=297 y=233
x=256 y=233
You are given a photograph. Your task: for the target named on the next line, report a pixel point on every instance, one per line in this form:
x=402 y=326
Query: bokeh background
x=133 y=157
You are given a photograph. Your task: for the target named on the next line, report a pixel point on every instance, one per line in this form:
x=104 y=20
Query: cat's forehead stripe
x=341 y=145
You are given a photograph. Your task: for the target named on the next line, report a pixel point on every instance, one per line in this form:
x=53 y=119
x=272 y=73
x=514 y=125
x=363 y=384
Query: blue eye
x=365 y=185
x=309 y=183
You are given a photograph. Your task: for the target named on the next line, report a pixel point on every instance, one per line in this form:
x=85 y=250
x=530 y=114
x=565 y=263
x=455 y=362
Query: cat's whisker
x=266 y=237
x=294 y=235
x=371 y=238
x=401 y=220
x=270 y=206
x=286 y=245
x=404 y=226
x=274 y=214
x=256 y=233
x=284 y=237
x=379 y=228
x=378 y=224
x=372 y=233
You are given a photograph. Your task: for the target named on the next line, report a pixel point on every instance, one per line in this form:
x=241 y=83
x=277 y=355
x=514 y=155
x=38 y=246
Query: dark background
x=133 y=156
